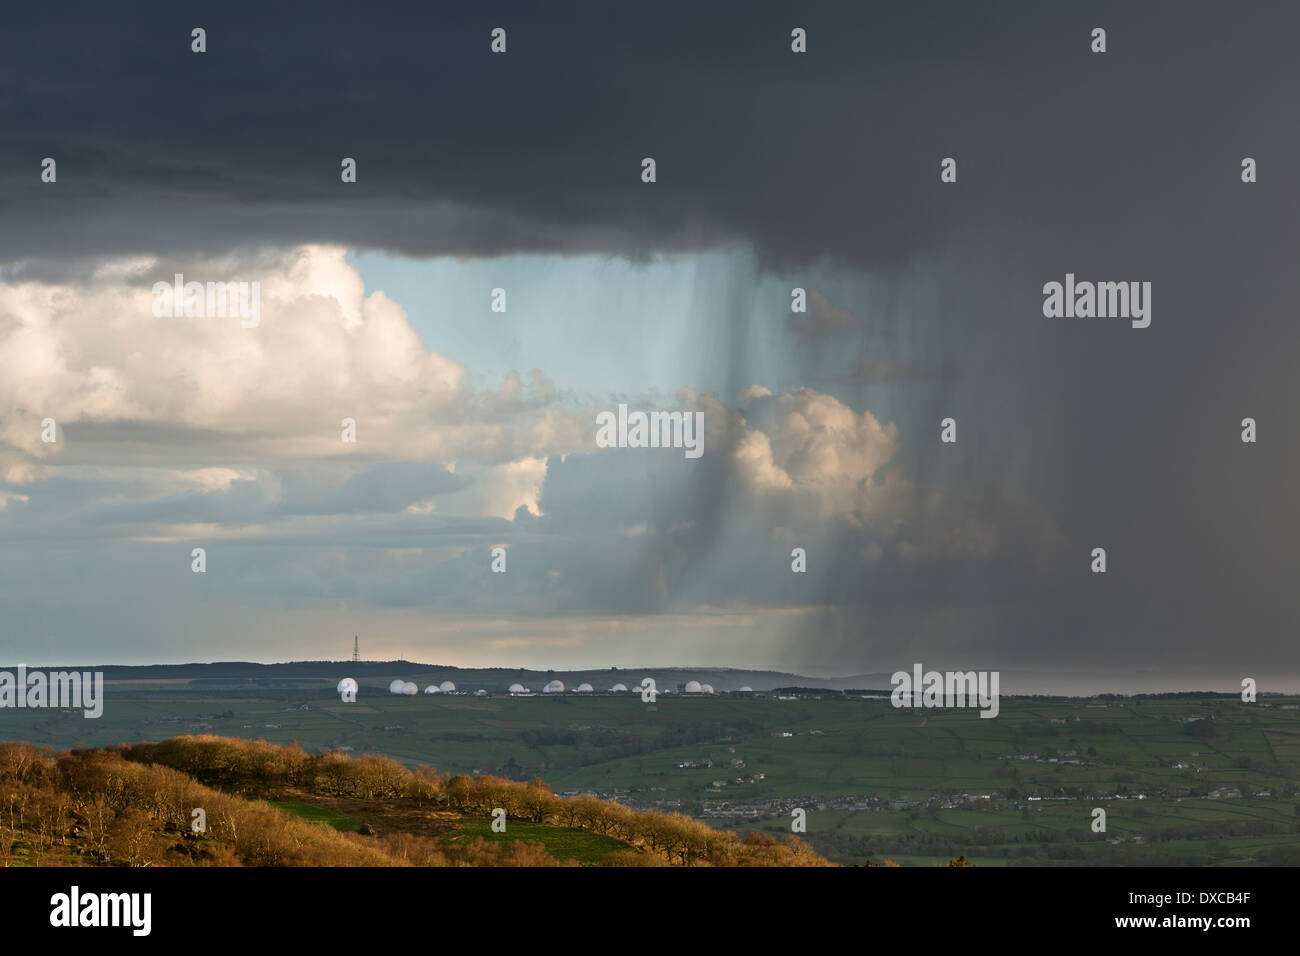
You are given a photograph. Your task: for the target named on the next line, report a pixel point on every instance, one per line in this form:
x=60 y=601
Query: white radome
x=432 y=689
x=516 y=688
x=347 y=684
x=746 y=689
x=584 y=688
x=694 y=687
x=554 y=687
x=618 y=689
x=396 y=687
x=480 y=692
x=447 y=687
x=409 y=689
x=706 y=688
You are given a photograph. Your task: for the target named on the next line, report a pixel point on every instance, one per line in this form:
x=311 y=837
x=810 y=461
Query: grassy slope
x=313 y=813
x=563 y=843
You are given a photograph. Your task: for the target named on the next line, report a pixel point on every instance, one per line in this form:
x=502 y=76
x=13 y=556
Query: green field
x=563 y=843
x=1192 y=779
x=316 y=814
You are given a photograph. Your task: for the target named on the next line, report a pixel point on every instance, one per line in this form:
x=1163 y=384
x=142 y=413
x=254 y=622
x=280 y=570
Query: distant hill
x=491 y=679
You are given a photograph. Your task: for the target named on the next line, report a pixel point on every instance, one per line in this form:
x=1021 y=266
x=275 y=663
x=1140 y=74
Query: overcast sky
x=476 y=429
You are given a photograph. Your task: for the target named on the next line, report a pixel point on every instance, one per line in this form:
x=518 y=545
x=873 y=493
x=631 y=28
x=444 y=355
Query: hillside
x=268 y=805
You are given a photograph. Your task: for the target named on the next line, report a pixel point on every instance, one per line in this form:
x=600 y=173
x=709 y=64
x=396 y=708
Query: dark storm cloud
x=833 y=153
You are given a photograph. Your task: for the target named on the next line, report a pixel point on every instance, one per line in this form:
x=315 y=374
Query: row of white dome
x=410 y=689
x=557 y=687
x=554 y=687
